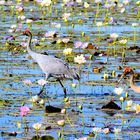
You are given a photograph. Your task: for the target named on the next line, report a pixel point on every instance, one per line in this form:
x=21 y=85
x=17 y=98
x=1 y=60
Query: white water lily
x=86 y=5
x=41 y=82
x=35 y=98
x=135 y=24
x=123 y=41
x=97 y=129
x=99 y=24
x=118 y=90
x=80 y=59
x=67 y=51
x=61 y=122
x=114 y=35
x=129 y=103
x=37 y=126
x=41 y=102
x=117 y=130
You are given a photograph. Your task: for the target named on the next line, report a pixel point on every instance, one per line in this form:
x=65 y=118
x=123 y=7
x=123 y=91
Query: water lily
x=35 y=98
x=123 y=41
x=117 y=130
x=135 y=24
x=41 y=102
x=114 y=35
x=37 y=126
x=67 y=51
x=29 y=21
x=86 y=4
x=78 y=44
x=99 y=24
x=80 y=59
x=50 y=34
x=27 y=82
x=97 y=129
x=61 y=122
x=41 y=82
x=137 y=108
x=118 y=90
x=24 y=110
x=121 y=99
x=74 y=85
x=46 y=3
x=63 y=111
x=65 y=40
x=129 y=103
x=66 y=16
x=106 y=130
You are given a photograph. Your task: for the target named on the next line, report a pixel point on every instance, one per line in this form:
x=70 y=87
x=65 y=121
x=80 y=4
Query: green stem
x=131 y=120
x=69 y=121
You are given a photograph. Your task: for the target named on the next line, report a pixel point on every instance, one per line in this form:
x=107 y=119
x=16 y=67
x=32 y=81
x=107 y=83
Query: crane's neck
x=131 y=80
x=29 y=48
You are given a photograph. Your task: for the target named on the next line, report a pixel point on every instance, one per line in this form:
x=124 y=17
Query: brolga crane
x=133 y=86
x=50 y=65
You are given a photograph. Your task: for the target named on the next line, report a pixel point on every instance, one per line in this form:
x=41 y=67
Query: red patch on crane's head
x=128 y=70
x=26 y=32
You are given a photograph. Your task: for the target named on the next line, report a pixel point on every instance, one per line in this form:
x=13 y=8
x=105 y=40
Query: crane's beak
x=120 y=79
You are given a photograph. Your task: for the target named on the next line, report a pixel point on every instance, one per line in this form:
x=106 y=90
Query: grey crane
x=50 y=65
x=129 y=70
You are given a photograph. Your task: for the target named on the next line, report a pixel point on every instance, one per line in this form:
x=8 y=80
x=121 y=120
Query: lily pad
x=52 y=109
x=43 y=138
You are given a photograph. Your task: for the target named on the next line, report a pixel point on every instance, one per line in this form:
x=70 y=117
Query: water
x=92 y=92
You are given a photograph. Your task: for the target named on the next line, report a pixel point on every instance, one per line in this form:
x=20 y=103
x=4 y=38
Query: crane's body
x=50 y=65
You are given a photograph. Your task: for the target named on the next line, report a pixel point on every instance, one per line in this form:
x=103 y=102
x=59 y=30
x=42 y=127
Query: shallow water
x=92 y=92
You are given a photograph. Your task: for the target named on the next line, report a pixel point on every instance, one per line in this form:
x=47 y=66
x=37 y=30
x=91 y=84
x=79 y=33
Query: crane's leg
x=64 y=89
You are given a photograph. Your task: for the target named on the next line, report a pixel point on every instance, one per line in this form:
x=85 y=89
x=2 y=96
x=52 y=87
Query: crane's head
x=126 y=71
x=27 y=32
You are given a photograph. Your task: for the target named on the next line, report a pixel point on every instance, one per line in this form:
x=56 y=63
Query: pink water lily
x=24 y=110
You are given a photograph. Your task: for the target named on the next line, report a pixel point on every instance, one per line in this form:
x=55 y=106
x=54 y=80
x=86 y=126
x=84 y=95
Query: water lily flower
x=98 y=1
x=41 y=82
x=118 y=90
x=51 y=34
x=129 y=103
x=135 y=24
x=126 y=2
x=99 y=24
x=24 y=110
x=110 y=40
x=83 y=138
x=65 y=40
x=117 y=130
x=71 y=4
x=35 y=98
x=138 y=2
x=122 y=10
x=114 y=35
x=137 y=108
x=56 y=25
x=106 y=130
x=27 y=82
x=2 y=2
x=41 y=102
x=80 y=59
x=121 y=99
x=86 y=5
x=37 y=126
x=22 y=17
x=77 y=44
x=74 y=85
x=84 y=45
x=79 y=1
x=63 y=111
x=123 y=41
x=97 y=129
x=61 y=122
x=67 y=51
x=66 y=16
x=46 y=3
x=29 y=21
